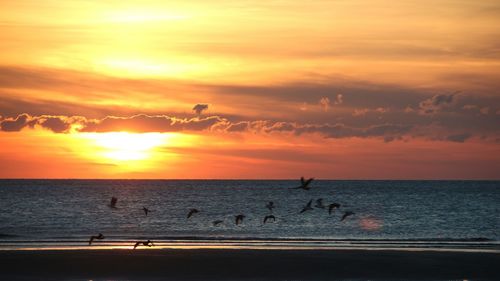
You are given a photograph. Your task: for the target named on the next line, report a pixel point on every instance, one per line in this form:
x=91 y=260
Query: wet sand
x=237 y=264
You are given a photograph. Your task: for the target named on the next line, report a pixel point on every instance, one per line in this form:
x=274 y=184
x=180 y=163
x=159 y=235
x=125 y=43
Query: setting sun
x=125 y=152
x=123 y=146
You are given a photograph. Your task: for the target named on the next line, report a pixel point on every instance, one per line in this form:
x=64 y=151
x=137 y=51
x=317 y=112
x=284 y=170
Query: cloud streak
x=437 y=103
x=56 y=124
x=16 y=124
x=143 y=123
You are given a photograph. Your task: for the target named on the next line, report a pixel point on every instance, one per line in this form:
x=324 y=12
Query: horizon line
x=255 y=179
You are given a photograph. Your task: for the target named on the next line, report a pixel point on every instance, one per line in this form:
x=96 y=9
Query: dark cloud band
x=161 y=123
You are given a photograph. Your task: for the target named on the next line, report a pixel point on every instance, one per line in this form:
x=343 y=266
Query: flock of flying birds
x=304 y=184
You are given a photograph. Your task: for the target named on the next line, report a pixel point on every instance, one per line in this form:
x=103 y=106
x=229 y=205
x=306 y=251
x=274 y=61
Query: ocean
x=60 y=214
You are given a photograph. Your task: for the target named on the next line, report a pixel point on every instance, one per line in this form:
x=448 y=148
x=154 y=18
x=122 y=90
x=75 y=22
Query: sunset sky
x=353 y=89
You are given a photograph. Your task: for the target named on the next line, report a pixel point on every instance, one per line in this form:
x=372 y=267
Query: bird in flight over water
x=270 y=205
x=239 y=219
x=307 y=207
x=93 y=237
x=346 y=214
x=146 y=210
x=192 y=212
x=319 y=203
x=113 y=202
x=148 y=243
x=269 y=217
x=217 y=222
x=332 y=207
x=304 y=184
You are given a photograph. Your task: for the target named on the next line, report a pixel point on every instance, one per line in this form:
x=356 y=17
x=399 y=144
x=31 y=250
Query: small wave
x=3 y=235
x=300 y=239
x=119 y=238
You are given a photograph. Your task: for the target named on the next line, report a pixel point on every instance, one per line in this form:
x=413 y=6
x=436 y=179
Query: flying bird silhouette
x=93 y=237
x=332 y=207
x=192 y=212
x=346 y=214
x=307 y=207
x=239 y=219
x=146 y=211
x=319 y=203
x=269 y=217
x=148 y=243
x=270 y=206
x=217 y=222
x=304 y=184
x=113 y=202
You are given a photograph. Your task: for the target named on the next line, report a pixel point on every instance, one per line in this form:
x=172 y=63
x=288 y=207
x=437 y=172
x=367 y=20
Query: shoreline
x=251 y=245
x=438 y=245
x=246 y=264
x=129 y=246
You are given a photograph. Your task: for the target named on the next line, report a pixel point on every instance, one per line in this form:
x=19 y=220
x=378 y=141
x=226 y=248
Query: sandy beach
x=237 y=264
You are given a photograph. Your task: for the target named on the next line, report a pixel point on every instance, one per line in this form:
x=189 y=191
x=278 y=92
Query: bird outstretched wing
x=308 y=181
x=309 y=204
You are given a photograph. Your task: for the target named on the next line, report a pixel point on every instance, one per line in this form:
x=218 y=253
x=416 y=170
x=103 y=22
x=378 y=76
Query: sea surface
x=441 y=215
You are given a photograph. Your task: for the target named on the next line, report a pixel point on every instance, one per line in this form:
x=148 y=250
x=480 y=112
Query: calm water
x=456 y=214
